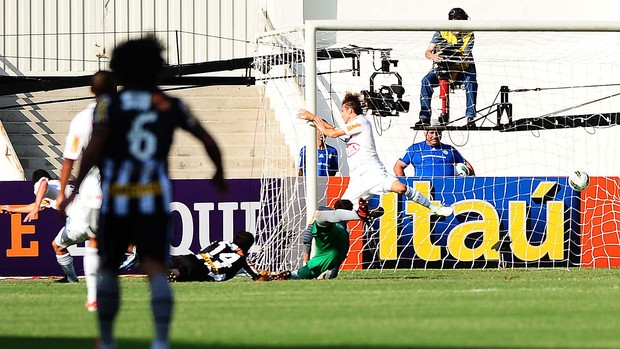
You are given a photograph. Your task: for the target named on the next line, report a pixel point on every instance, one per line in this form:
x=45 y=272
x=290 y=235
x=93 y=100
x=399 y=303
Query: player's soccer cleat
x=171 y=277
x=91 y=306
x=366 y=213
x=328 y=274
x=441 y=210
x=130 y=262
x=283 y=275
x=363 y=209
x=65 y=280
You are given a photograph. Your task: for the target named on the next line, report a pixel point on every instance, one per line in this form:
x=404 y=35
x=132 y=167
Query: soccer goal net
x=546 y=105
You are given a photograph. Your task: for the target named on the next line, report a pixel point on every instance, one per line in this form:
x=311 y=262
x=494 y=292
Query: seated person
x=431 y=158
x=451 y=51
x=220 y=261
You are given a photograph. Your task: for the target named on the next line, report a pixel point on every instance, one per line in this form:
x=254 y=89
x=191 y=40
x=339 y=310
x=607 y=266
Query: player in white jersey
x=85 y=212
x=47 y=191
x=367 y=173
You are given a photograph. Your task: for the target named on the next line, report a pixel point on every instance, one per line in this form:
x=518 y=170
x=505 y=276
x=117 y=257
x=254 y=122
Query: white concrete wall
x=76 y=36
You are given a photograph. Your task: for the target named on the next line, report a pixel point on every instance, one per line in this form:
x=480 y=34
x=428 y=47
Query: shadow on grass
x=81 y=343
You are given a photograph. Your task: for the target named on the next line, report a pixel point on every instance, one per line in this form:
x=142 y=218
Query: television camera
x=388 y=99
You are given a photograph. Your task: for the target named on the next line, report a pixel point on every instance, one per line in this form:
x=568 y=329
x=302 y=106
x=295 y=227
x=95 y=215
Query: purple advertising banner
x=200 y=213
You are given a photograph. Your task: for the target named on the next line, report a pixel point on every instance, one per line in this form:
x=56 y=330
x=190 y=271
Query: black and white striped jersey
x=133 y=163
x=224 y=262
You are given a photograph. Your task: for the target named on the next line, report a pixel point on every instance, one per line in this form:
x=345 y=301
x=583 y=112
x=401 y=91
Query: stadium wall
x=61 y=37
x=564 y=228
x=543 y=222
x=201 y=215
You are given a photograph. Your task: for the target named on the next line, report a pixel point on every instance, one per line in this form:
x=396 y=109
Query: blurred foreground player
x=88 y=202
x=132 y=135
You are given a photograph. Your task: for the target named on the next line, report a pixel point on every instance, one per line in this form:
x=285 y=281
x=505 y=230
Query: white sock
x=66 y=263
x=91 y=267
x=335 y=216
x=416 y=196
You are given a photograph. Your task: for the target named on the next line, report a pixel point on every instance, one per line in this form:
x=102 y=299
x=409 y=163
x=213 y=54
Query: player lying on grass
x=220 y=261
x=331 y=236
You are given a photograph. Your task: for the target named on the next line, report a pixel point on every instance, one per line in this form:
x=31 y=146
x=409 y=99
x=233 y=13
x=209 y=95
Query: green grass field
x=531 y=308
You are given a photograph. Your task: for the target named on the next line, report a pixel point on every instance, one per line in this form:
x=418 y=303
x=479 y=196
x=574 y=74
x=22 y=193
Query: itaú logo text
x=486 y=228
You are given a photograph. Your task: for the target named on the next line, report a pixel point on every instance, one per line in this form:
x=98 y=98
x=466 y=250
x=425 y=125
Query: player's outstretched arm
x=18 y=208
x=65 y=173
x=322 y=125
x=35 y=207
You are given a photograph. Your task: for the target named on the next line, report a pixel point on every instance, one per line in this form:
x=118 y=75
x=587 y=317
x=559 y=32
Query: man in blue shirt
x=431 y=158
x=327 y=158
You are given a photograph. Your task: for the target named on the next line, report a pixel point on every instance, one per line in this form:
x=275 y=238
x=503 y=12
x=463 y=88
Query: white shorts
x=90 y=190
x=368 y=184
x=82 y=223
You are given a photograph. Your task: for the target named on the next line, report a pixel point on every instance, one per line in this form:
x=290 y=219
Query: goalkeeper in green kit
x=331 y=236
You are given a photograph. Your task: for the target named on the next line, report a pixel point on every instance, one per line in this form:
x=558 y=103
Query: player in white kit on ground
x=367 y=173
